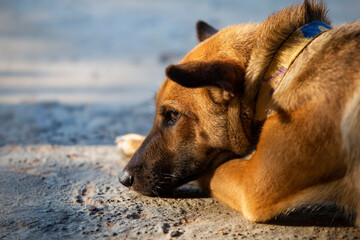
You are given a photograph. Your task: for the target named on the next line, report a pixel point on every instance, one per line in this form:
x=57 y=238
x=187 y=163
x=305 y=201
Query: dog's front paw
x=129 y=143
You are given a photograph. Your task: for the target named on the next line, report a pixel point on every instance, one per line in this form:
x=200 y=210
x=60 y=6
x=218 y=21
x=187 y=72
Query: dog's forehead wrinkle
x=181 y=97
x=176 y=105
x=170 y=103
x=161 y=92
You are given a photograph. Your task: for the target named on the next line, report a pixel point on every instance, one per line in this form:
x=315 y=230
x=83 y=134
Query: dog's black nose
x=126 y=179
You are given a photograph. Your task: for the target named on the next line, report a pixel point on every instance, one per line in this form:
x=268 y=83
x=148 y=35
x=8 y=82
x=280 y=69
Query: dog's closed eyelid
x=169 y=106
x=171 y=117
x=164 y=111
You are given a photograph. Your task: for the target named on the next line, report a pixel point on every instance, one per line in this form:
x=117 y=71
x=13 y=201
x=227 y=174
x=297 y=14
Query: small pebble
x=79 y=199
x=133 y=216
x=83 y=191
x=165 y=227
x=176 y=234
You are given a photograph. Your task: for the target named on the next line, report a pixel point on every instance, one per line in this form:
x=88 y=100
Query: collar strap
x=282 y=60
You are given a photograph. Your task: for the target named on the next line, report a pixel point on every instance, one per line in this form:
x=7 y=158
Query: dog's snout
x=126 y=178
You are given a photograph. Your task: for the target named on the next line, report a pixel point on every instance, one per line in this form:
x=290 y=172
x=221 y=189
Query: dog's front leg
x=230 y=183
x=233 y=184
x=129 y=143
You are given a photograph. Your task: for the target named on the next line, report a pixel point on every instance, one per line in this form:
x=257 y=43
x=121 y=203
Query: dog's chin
x=163 y=190
x=155 y=192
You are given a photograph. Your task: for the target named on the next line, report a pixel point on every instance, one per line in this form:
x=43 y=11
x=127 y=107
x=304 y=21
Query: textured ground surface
x=72 y=191
x=76 y=74
x=54 y=183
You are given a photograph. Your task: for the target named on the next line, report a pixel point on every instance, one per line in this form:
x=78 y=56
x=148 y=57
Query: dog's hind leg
x=129 y=143
x=350 y=129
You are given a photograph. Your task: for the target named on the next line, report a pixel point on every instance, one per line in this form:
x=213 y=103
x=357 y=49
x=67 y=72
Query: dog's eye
x=172 y=117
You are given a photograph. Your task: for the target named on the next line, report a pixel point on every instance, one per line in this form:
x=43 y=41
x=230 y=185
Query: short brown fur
x=307 y=149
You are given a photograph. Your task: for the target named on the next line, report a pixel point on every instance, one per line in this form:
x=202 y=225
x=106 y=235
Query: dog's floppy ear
x=219 y=76
x=204 y=30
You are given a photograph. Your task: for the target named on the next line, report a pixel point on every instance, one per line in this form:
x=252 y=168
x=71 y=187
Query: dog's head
x=201 y=116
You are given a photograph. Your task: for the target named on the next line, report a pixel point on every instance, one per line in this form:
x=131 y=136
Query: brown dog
x=266 y=116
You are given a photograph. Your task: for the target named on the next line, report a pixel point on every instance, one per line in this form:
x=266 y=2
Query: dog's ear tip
x=169 y=68
x=204 y=30
x=174 y=72
x=200 y=24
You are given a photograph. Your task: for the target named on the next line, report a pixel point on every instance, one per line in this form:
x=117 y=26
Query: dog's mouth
x=160 y=185
x=158 y=182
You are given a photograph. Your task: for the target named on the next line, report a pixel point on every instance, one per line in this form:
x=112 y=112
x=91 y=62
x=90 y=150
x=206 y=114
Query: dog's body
x=306 y=150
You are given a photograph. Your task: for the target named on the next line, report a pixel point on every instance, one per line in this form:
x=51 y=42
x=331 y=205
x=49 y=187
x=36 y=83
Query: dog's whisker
x=168 y=174
x=155 y=193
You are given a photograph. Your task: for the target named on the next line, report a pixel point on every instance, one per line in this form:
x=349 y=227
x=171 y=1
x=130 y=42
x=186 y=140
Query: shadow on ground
x=321 y=215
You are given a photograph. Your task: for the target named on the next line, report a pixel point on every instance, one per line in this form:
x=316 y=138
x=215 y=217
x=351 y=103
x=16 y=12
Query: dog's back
x=350 y=130
x=346 y=54
x=350 y=125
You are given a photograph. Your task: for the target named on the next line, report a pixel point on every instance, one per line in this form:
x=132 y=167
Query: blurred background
x=85 y=71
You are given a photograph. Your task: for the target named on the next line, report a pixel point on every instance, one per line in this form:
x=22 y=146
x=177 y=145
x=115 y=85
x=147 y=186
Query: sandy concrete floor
x=72 y=192
x=76 y=74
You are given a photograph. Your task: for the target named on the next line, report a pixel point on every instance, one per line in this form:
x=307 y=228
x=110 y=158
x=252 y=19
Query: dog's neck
x=282 y=60
x=271 y=35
